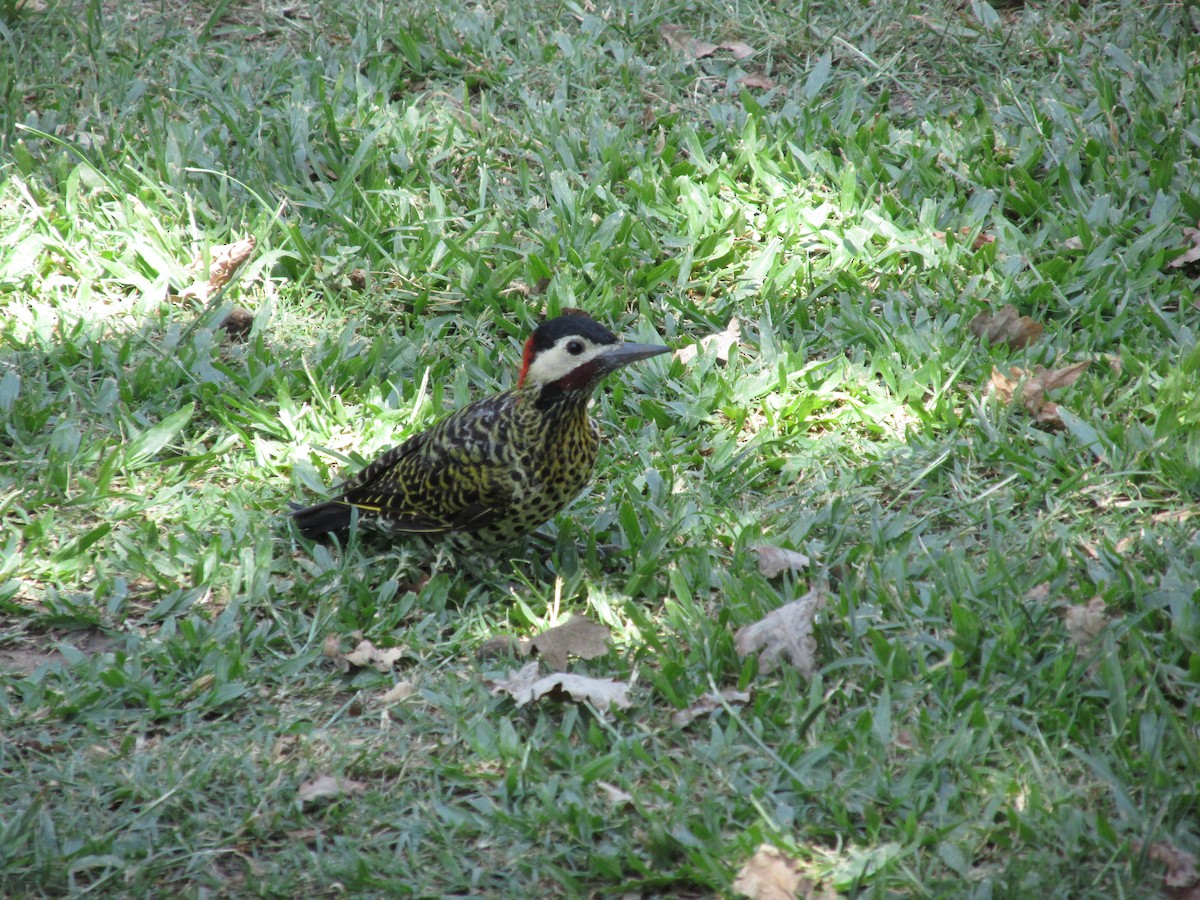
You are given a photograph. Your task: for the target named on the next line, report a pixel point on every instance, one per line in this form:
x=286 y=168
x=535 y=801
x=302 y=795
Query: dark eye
x=575 y=347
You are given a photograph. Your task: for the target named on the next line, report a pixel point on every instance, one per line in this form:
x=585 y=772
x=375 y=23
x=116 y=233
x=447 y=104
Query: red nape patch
x=525 y=361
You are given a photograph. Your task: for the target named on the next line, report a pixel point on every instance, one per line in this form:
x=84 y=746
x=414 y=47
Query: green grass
x=424 y=184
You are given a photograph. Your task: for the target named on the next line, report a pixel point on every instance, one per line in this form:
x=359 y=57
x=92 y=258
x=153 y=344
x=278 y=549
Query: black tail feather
x=322 y=519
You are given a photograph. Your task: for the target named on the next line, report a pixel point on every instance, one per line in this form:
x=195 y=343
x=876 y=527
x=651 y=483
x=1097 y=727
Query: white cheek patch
x=551 y=365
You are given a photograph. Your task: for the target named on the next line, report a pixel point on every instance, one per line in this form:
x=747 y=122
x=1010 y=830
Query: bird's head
x=572 y=353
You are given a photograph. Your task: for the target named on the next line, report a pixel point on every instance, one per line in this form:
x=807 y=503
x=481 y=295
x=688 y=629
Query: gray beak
x=624 y=354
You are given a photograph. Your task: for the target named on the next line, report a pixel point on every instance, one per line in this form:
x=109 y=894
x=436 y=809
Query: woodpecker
x=501 y=466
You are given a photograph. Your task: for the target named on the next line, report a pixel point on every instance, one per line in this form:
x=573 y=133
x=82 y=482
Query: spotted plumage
x=499 y=467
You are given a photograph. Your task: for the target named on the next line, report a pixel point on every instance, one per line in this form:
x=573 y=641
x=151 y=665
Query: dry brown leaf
x=786 y=633
x=237 y=323
x=725 y=341
x=1192 y=253
x=616 y=796
x=1031 y=388
x=224 y=261
x=524 y=687
x=1173 y=516
x=679 y=40
x=1006 y=327
x=1182 y=879
x=769 y=875
x=579 y=636
x=981 y=240
x=738 y=49
x=772 y=560
x=367 y=654
x=1053 y=379
x=401 y=690
x=518 y=682
x=709 y=703
x=757 y=81
x=1084 y=623
x=501 y=645
x=325 y=786
x=1039 y=593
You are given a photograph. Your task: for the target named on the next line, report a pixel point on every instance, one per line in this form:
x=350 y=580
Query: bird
x=497 y=469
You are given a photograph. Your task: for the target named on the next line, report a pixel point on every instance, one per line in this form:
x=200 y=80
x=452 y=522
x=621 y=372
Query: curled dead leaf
x=1182 y=880
x=324 y=787
x=579 y=636
x=1084 y=623
x=772 y=560
x=615 y=795
x=401 y=690
x=224 y=261
x=981 y=240
x=1192 y=253
x=381 y=659
x=1031 y=388
x=331 y=647
x=524 y=687
x=785 y=634
x=724 y=341
x=769 y=875
x=738 y=49
x=757 y=81
x=1007 y=326
x=710 y=702
x=680 y=40
x=237 y=323
x=501 y=645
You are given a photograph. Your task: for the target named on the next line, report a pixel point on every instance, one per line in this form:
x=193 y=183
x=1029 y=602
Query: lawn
x=826 y=209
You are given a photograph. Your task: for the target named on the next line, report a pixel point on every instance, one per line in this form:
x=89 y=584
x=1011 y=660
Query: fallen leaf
x=981 y=240
x=1181 y=868
x=325 y=786
x=1007 y=326
x=710 y=702
x=679 y=40
x=367 y=654
x=1192 y=253
x=501 y=645
x=401 y=690
x=224 y=261
x=1173 y=516
x=757 y=81
x=723 y=340
x=786 y=632
x=237 y=323
x=1084 y=623
x=738 y=49
x=772 y=560
x=769 y=875
x=579 y=636
x=518 y=682
x=524 y=687
x=1031 y=388
x=1039 y=593
x=616 y=796
x=1073 y=243
x=331 y=647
